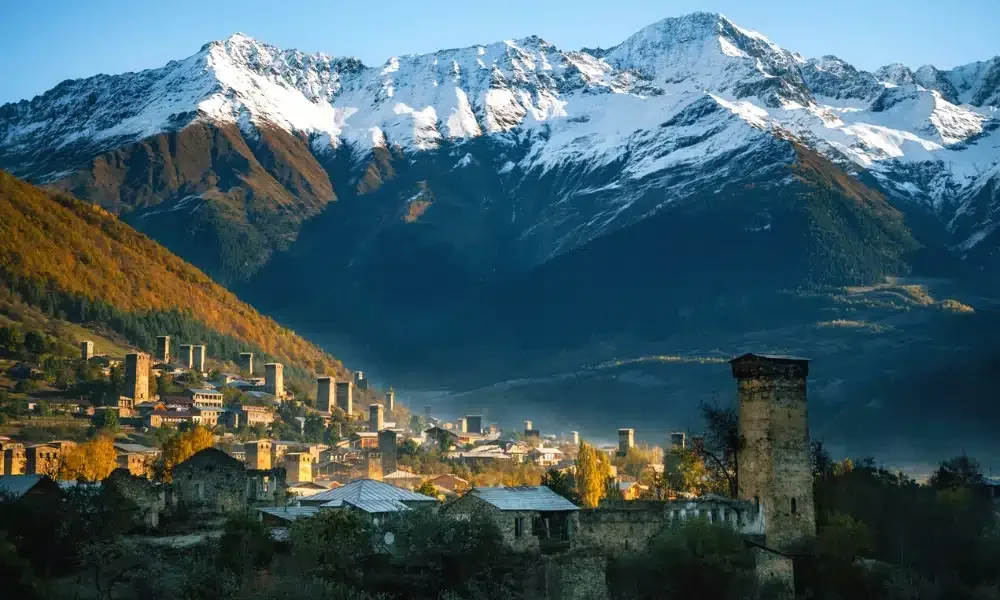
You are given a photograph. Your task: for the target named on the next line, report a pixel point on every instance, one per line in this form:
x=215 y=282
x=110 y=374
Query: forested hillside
x=77 y=261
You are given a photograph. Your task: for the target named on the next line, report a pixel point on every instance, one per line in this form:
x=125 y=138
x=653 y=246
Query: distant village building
x=199 y=357
x=390 y=401
x=274 y=379
x=136 y=459
x=252 y=415
x=371 y=498
x=389 y=450
x=678 y=440
x=206 y=416
x=14 y=458
x=345 y=396
x=137 y=376
x=626 y=441
x=298 y=467
x=474 y=424
x=212 y=481
x=528 y=517
x=246 y=362
x=375 y=417
x=205 y=398
x=427 y=412
x=450 y=484
x=43 y=459
x=186 y=356
x=359 y=380
x=86 y=350
x=258 y=454
x=163 y=348
x=574 y=437
x=324 y=394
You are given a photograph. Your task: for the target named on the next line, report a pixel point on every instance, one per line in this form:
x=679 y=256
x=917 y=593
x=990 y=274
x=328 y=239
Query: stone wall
x=218 y=489
x=619 y=528
x=575 y=576
x=775 y=572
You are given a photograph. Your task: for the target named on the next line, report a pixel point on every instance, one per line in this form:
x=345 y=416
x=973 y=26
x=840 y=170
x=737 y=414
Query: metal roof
x=18 y=485
x=401 y=474
x=363 y=490
x=369 y=506
x=204 y=391
x=290 y=513
x=528 y=497
x=769 y=357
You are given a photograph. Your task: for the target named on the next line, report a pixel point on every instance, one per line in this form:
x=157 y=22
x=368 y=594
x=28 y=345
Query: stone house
x=529 y=517
x=402 y=478
x=452 y=483
x=136 y=459
x=206 y=398
x=13 y=458
x=43 y=459
x=211 y=481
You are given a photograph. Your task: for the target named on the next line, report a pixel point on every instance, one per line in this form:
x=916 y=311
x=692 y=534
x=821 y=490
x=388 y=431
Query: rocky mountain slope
x=497 y=209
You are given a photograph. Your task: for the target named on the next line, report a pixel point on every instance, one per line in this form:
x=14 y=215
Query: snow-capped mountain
x=676 y=96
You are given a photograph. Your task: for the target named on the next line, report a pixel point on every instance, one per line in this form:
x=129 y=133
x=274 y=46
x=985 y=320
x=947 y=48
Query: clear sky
x=43 y=42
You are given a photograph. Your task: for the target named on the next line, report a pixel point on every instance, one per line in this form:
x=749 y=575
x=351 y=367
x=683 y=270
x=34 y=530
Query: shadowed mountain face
x=574 y=237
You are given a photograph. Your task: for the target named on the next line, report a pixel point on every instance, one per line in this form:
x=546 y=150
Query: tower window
x=794 y=507
x=756 y=503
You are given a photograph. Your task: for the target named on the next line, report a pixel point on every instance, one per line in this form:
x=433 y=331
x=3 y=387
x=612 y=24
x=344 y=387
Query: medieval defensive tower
x=774 y=465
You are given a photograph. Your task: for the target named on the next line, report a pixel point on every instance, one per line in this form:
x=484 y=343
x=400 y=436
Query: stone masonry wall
x=774 y=464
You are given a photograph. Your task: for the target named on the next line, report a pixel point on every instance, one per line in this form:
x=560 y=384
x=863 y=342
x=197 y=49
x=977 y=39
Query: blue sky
x=45 y=42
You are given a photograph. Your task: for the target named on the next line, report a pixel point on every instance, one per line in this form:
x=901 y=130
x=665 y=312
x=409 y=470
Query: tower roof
x=769 y=365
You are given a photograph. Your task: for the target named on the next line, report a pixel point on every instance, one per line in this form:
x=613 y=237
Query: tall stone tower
x=574 y=436
x=387 y=447
x=137 y=376
x=324 y=394
x=258 y=454
x=298 y=467
x=375 y=417
x=186 y=356
x=344 y=395
x=199 y=357
x=390 y=401
x=774 y=465
x=274 y=379
x=246 y=362
x=163 y=348
x=626 y=441
x=474 y=423
x=86 y=350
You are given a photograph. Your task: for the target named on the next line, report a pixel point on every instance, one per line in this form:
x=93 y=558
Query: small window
x=518 y=526
x=794 y=506
x=756 y=503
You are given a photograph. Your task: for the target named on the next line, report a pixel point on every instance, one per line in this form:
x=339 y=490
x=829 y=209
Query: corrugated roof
x=18 y=485
x=369 y=506
x=769 y=357
x=290 y=513
x=529 y=497
x=365 y=490
x=401 y=474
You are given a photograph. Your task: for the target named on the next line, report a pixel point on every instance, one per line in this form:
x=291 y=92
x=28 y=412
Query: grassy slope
x=77 y=248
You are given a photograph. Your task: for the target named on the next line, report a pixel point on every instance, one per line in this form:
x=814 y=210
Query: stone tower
x=87 y=350
x=258 y=454
x=274 y=379
x=626 y=441
x=390 y=401
x=246 y=362
x=463 y=425
x=774 y=464
x=387 y=447
x=298 y=467
x=324 y=393
x=186 y=356
x=375 y=417
x=163 y=348
x=574 y=436
x=137 y=376
x=344 y=396
x=474 y=423
x=199 y=358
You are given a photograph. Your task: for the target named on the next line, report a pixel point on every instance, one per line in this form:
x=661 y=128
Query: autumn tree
x=721 y=445
x=90 y=461
x=684 y=472
x=180 y=447
x=592 y=471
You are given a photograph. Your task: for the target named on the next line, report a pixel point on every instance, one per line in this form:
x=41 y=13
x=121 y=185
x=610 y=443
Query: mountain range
x=560 y=232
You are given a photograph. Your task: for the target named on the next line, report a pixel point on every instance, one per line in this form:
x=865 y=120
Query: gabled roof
x=369 y=506
x=210 y=456
x=528 y=497
x=290 y=513
x=362 y=490
x=401 y=474
x=17 y=486
x=135 y=448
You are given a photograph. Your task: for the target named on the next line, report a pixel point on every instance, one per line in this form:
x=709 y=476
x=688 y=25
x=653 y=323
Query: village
x=380 y=461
